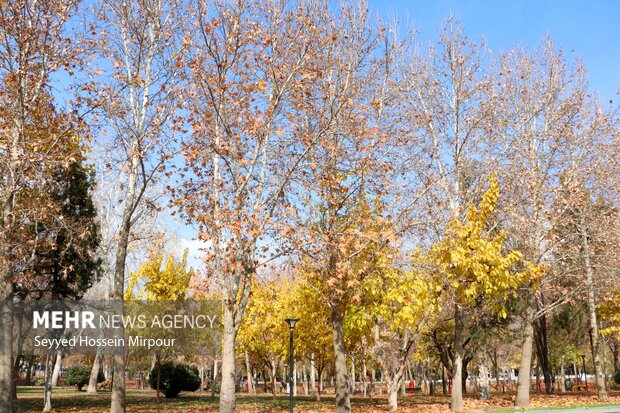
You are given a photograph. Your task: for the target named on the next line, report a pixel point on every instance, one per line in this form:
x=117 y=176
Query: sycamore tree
x=587 y=246
x=34 y=46
x=548 y=126
x=249 y=62
x=341 y=189
x=137 y=55
x=472 y=270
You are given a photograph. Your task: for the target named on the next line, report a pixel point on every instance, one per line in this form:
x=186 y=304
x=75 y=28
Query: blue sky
x=590 y=28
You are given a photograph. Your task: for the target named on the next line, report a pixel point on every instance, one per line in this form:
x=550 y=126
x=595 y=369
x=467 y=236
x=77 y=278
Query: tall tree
x=449 y=110
x=34 y=45
x=350 y=108
x=403 y=302
x=249 y=59
x=64 y=261
x=550 y=125
x=473 y=271
x=140 y=55
x=587 y=249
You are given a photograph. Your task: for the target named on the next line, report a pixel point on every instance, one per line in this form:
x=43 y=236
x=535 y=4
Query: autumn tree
x=402 y=302
x=248 y=61
x=264 y=332
x=473 y=270
x=551 y=125
x=159 y=280
x=314 y=341
x=350 y=108
x=136 y=71
x=34 y=46
x=587 y=251
x=448 y=110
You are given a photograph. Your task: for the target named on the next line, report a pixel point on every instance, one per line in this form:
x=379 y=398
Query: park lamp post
x=291 y=325
x=583 y=363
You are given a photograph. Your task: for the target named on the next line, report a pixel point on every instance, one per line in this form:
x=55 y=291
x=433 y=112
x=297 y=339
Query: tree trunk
x=6 y=342
x=250 y=378
x=484 y=378
x=304 y=379
x=523 y=389
x=158 y=380
x=598 y=371
x=352 y=375
x=562 y=377
x=214 y=381
x=274 y=378
x=227 y=388
x=343 y=402
x=29 y=370
x=47 y=391
x=364 y=378
x=57 y=367
x=456 y=404
x=118 y=359
x=201 y=372
x=393 y=396
x=320 y=389
x=615 y=351
x=542 y=352
x=18 y=357
x=94 y=374
x=444 y=384
x=313 y=392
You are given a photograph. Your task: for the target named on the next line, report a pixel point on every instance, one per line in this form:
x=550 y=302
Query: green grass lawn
x=65 y=400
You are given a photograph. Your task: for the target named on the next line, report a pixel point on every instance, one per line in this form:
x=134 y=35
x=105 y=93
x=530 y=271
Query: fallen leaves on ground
x=144 y=402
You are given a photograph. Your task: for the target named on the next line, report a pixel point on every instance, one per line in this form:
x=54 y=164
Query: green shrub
x=79 y=375
x=617 y=377
x=175 y=378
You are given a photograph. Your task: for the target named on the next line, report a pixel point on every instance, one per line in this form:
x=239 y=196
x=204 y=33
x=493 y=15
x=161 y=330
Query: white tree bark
x=598 y=370
x=484 y=378
x=47 y=391
x=313 y=392
x=94 y=373
x=57 y=367
x=523 y=390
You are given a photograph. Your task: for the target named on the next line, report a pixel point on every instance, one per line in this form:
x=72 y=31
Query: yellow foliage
x=263 y=330
x=471 y=264
x=169 y=281
x=609 y=312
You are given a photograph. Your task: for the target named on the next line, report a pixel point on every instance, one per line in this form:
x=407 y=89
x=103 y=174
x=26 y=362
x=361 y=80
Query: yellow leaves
x=473 y=264
x=155 y=282
x=609 y=313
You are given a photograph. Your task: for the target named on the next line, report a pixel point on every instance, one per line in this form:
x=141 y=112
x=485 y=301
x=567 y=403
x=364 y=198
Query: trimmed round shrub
x=79 y=375
x=175 y=378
